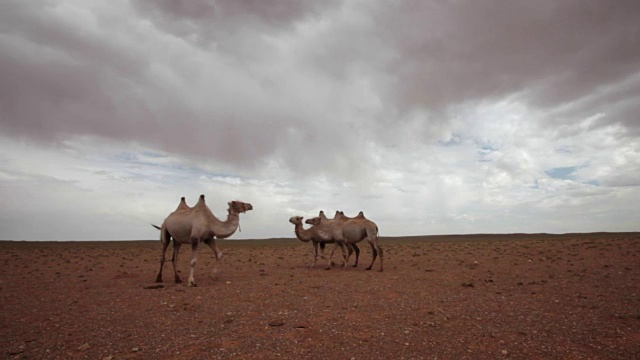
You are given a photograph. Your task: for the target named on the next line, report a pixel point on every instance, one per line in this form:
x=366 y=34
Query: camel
x=350 y=231
x=339 y=215
x=336 y=216
x=318 y=235
x=195 y=225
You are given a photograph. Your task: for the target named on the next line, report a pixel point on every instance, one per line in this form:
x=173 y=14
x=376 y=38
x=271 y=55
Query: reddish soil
x=575 y=296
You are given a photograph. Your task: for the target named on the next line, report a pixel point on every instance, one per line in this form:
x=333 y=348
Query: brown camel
x=195 y=225
x=351 y=231
x=319 y=236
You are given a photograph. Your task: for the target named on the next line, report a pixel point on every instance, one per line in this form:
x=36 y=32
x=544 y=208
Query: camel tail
x=156 y=226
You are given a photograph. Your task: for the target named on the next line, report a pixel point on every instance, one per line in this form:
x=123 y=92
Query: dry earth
x=575 y=296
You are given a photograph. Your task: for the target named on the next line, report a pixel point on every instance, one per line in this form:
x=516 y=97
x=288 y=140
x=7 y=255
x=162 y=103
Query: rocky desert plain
x=509 y=296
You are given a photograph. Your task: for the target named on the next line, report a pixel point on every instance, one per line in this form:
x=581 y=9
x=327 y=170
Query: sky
x=432 y=117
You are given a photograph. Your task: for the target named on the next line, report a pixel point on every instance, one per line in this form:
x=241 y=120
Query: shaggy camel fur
x=351 y=231
x=319 y=236
x=195 y=225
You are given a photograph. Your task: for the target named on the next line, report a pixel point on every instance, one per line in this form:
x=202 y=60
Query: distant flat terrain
x=487 y=296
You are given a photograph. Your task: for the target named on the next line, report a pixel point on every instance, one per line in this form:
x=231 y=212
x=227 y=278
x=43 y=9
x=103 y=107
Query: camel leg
x=194 y=261
x=375 y=254
x=212 y=244
x=214 y=247
x=376 y=249
x=174 y=261
x=344 y=253
x=380 y=251
x=322 y=245
x=357 y=251
x=315 y=254
x=349 y=251
x=330 y=264
x=164 y=239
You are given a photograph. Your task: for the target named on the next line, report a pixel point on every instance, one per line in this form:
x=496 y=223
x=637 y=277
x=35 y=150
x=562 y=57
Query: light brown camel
x=339 y=215
x=195 y=225
x=319 y=236
x=351 y=231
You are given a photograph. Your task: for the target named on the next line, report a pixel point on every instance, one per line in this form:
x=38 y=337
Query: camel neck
x=228 y=227
x=301 y=233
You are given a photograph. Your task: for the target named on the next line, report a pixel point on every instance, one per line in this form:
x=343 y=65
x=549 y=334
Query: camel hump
x=201 y=201
x=360 y=215
x=182 y=205
x=322 y=215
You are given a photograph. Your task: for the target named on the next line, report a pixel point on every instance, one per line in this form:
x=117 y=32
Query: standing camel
x=319 y=236
x=351 y=231
x=195 y=225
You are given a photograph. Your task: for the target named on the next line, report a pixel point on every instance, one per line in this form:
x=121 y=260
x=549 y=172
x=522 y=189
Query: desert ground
x=517 y=296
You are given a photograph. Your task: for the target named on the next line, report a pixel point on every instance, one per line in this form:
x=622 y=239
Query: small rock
x=505 y=352
x=155 y=286
x=15 y=351
x=276 y=323
x=84 y=346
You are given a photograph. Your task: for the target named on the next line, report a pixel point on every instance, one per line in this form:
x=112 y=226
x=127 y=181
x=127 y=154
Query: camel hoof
x=369 y=268
x=380 y=270
x=192 y=284
x=178 y=281
x=328 y=268
x=158 y=279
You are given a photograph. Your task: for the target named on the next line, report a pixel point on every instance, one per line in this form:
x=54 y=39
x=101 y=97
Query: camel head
x=314 y=221
x=296 y=220
x=239 y=207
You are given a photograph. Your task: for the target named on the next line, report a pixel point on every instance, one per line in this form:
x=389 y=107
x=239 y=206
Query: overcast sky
x=432 y=117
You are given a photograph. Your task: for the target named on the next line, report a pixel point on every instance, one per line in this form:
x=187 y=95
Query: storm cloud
x=431 y=116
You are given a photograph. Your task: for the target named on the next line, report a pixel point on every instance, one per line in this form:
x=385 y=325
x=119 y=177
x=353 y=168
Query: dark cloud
x=557 y=52
x=234 y=27
x=201 y=77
